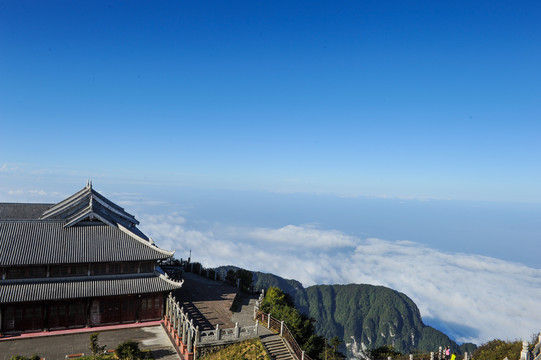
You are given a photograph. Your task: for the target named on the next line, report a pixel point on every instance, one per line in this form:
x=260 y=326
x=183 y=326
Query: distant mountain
x=360 y=313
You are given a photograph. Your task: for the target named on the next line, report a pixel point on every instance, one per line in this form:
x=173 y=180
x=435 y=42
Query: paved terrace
x=207 y=302
x=56 y=345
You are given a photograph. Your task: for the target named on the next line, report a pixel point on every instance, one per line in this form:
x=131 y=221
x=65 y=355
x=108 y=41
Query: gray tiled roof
x=18 y=211
x=49 y=242
x=59 y=289
x=88 y=201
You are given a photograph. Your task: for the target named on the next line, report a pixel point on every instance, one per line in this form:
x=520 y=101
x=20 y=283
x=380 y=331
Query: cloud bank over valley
x=472 y=298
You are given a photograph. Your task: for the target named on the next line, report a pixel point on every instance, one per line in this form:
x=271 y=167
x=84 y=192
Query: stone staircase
x=275 y=345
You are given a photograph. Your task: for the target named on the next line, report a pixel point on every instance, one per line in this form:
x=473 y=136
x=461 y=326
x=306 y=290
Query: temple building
x=79 y=263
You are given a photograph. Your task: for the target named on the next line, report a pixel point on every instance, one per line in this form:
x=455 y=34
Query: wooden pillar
x=87 y=308
x=138 y=308
x=45 y=316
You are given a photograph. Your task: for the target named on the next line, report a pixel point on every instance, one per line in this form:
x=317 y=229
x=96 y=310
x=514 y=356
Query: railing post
x=218 y=335
x=302 y=355
x=281 y=328
x=465 y=356
x=184 y=328
x=411 y=357
x=432 y=355
x=179 y=323
x=525 y=353
x=167 y=309
x=190 y=329
x=439 y=353
x=237 y=330
x=388 y=358
x=257 y=327
x=197 y=335
x=268 y=321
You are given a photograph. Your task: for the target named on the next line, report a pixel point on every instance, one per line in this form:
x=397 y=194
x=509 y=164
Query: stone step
x=276 y=347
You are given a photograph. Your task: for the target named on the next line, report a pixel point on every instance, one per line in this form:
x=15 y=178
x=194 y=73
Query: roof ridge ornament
x=89 y=183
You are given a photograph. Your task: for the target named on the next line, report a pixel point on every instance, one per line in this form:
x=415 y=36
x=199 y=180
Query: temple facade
x=79 y=263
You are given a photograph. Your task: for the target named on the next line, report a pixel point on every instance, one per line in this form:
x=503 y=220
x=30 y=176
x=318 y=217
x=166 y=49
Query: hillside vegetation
x=374 y=315
x=247 y=350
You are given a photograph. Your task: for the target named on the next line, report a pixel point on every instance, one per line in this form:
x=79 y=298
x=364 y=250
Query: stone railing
x=218 y=335
x=280 y=328
x=189 y=340
x=180 y=327
x=535 y=354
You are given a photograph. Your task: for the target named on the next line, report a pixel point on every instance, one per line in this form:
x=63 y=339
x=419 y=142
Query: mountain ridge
x=361 y=314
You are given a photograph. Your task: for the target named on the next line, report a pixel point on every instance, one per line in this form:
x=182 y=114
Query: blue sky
x=407 y=99
x=409 y=121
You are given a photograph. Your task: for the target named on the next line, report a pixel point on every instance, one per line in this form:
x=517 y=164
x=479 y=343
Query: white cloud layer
x=470 y=297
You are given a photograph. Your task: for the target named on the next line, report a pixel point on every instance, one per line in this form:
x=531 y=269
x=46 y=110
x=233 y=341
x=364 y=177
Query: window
x=60 y=271
x=69 y=270
x=26 y=272
x=79 y=270
x=114 y=268
x=129 y=268
x=100 y=269
x=147 y=267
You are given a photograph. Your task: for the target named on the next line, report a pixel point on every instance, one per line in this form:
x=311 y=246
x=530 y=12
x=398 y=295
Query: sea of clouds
x=471 y=298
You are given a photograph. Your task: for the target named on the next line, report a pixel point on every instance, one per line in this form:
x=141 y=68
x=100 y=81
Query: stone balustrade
x=189 y=339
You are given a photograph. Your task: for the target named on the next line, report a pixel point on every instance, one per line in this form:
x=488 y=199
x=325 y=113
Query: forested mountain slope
x=368 y=314
x=373 y=315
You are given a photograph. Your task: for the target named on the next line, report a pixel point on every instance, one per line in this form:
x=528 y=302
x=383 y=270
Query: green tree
x=383 y=352
x=498 y=349
x=330 y=352
x=274 y=297
x=95 y=347
x=246 y=278
x=128 y=350
x=19 y=357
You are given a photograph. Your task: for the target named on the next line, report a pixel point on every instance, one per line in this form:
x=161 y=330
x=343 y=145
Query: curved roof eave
x=146 y=242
